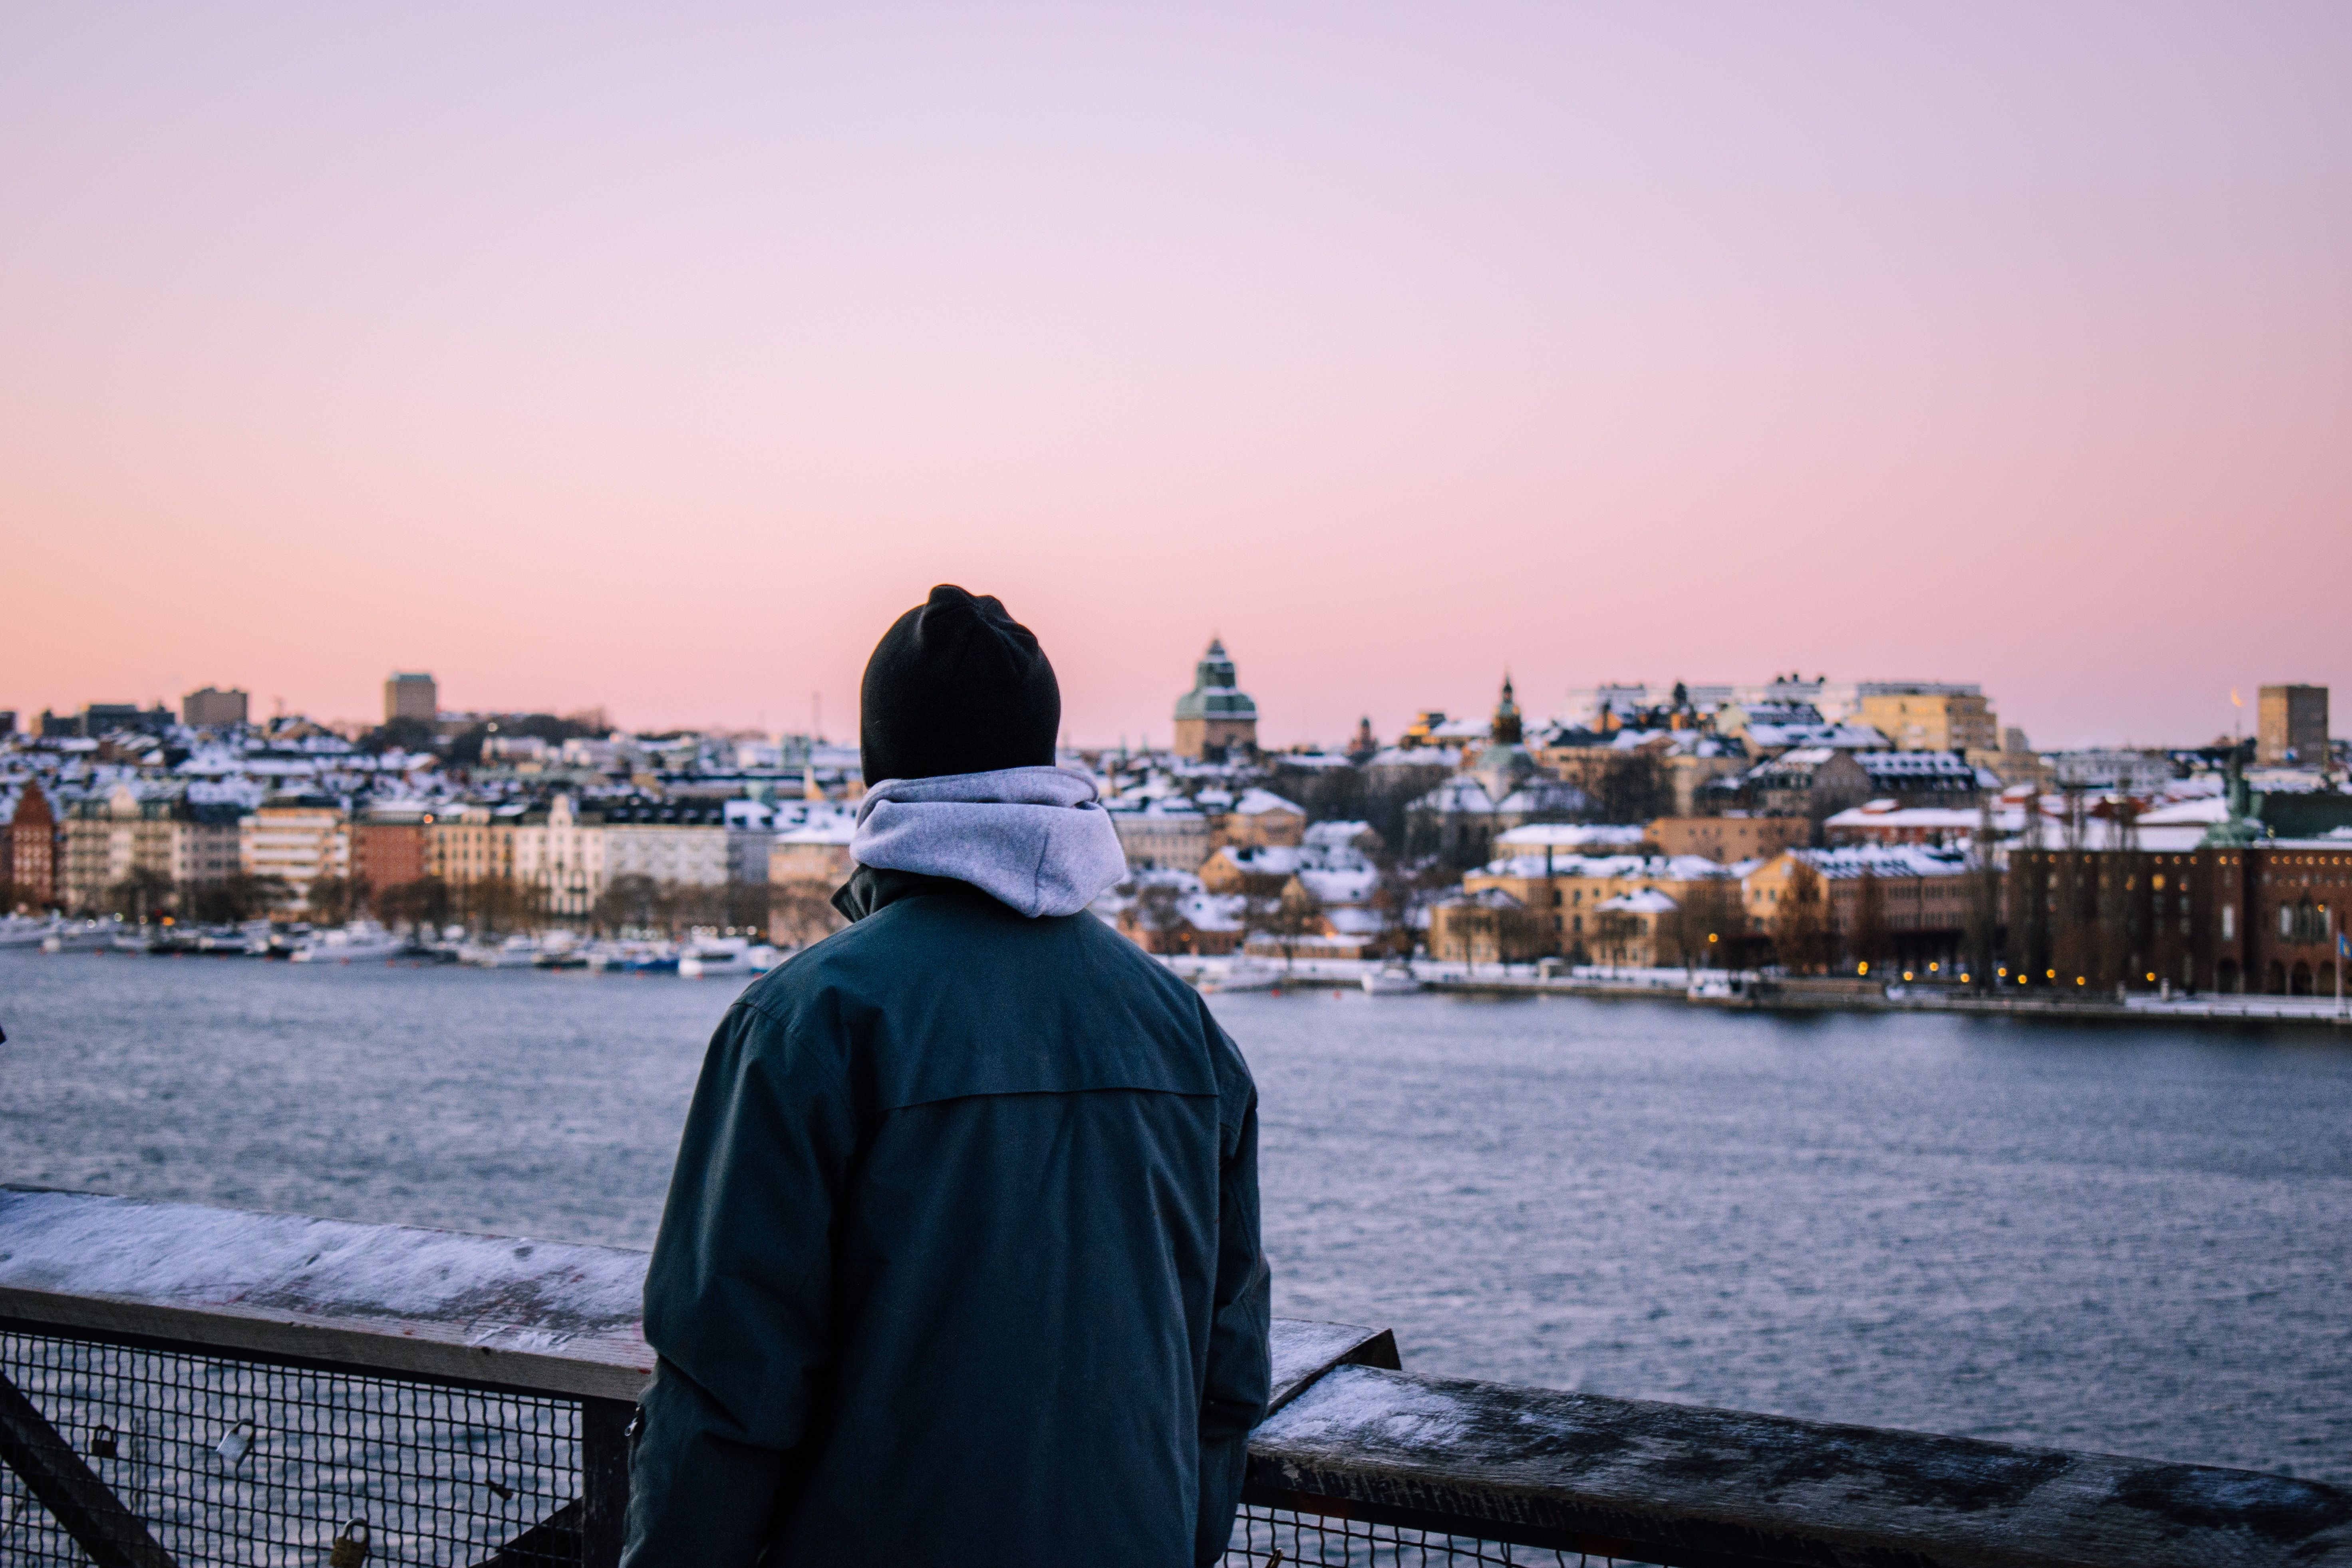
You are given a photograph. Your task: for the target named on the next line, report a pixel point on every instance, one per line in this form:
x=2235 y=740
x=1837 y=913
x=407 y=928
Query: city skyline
x=658 y=363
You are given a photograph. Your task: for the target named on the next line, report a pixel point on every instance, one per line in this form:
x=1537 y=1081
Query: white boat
x=517 y=952
x=17 y=932
x=82 y=936
x=712 y=955
x=362 y=942
x=1720 y=986
x=1242 y=974
x=1391 y=980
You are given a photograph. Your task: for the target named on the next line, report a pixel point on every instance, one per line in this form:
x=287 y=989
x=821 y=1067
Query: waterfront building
x=469 y=844
x=1260 y=817
x=673 y=842
x=296 y=838
x=30 y=843
x=1812 y=781
x=411 y=695
x=208 y=843
x=814 y=854
x=1924 y=778
x=1729 y=838
x=1170 y=912
x=560 y=854
x=1170 y=833
x=391 y=843
x=212 y=709
x=1216 y=721
x=1559 y=898
x=1929 y=716
x=1254 y=870
x=1923 y=897
x=1487 y=925
x=750 y=834
x=111 y=837
x=2239 y=913
x=2290 y=726
x=2112 y=768
x=1891 y=822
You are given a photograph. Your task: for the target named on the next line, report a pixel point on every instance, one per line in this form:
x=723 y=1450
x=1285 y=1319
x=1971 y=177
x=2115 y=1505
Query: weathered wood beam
x=82 y=1502
x=546 y=1316
x=1684 y=1485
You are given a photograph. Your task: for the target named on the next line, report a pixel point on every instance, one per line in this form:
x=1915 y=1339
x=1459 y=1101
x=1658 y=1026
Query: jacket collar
x=871 y=889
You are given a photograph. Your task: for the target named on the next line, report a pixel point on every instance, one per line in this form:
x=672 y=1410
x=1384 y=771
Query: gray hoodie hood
x=1035 y=839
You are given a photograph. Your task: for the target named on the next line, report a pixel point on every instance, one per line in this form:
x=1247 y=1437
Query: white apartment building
x=297 y=838
x=561 y=851
x=682 y=844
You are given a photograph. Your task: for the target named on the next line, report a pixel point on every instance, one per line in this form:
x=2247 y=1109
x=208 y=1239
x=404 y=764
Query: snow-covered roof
x=1263 y=859
x=1883 y=860
x=1572 y=835
x=1346 y=887
x=1662 y=867
x=1835 y=737
x=1883 y=766
x=832 y=827
x=1459 y=794
x=1884 y=816
x=1641 y=902
x=1258 y=802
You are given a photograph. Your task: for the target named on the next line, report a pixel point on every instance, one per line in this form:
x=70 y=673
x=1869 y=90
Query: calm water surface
x=2131 y=1241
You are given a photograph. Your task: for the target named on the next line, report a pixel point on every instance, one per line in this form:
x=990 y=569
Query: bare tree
x=329 y=900
x=801 y=912
x=143 y=895
x=1160 y=912
x=239 y=898
x=1708 y=923
x=1401 y=896
x=423 y=903
x=1869 y=939
x=1800 y=932
x=1287 y=919
x=746 y=906
x=628 y=902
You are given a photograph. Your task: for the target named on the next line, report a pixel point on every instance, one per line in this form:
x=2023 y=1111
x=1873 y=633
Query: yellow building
x=468 y=845
x=1564 y=900
x=1923 y=716
x=1726 y=839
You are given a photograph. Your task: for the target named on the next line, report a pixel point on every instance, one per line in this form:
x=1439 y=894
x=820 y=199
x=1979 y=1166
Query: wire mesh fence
x=224 y=1460
x=182 y=1457
x=1276 y=1538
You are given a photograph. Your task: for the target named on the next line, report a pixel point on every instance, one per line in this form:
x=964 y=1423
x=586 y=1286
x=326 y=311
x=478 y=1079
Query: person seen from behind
x=960 y=1262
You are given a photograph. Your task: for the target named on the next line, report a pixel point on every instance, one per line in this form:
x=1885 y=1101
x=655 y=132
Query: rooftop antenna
x=816 y=715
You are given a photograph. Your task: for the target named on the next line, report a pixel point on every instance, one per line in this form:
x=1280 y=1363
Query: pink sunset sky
x=657 y=357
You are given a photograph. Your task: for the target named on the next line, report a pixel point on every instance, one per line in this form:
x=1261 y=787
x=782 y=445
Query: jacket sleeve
x=737 y=1294
x=1240 y=1375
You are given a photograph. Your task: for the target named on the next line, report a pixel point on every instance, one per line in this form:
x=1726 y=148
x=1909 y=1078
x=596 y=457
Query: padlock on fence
x=233 y=1447
x=350 y=1548
x=102 y=1443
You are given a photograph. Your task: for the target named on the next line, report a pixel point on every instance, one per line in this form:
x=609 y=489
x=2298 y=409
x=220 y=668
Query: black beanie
x=956 y=686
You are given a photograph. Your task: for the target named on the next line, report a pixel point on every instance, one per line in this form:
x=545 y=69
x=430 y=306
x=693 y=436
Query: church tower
x=1507 y=728
x=1215 y=721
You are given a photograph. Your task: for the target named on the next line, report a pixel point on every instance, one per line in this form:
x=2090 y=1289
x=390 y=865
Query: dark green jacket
x=961 y=1259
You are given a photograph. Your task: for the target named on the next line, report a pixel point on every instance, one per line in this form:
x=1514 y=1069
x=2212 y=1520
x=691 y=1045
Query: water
x=2133 y=1241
